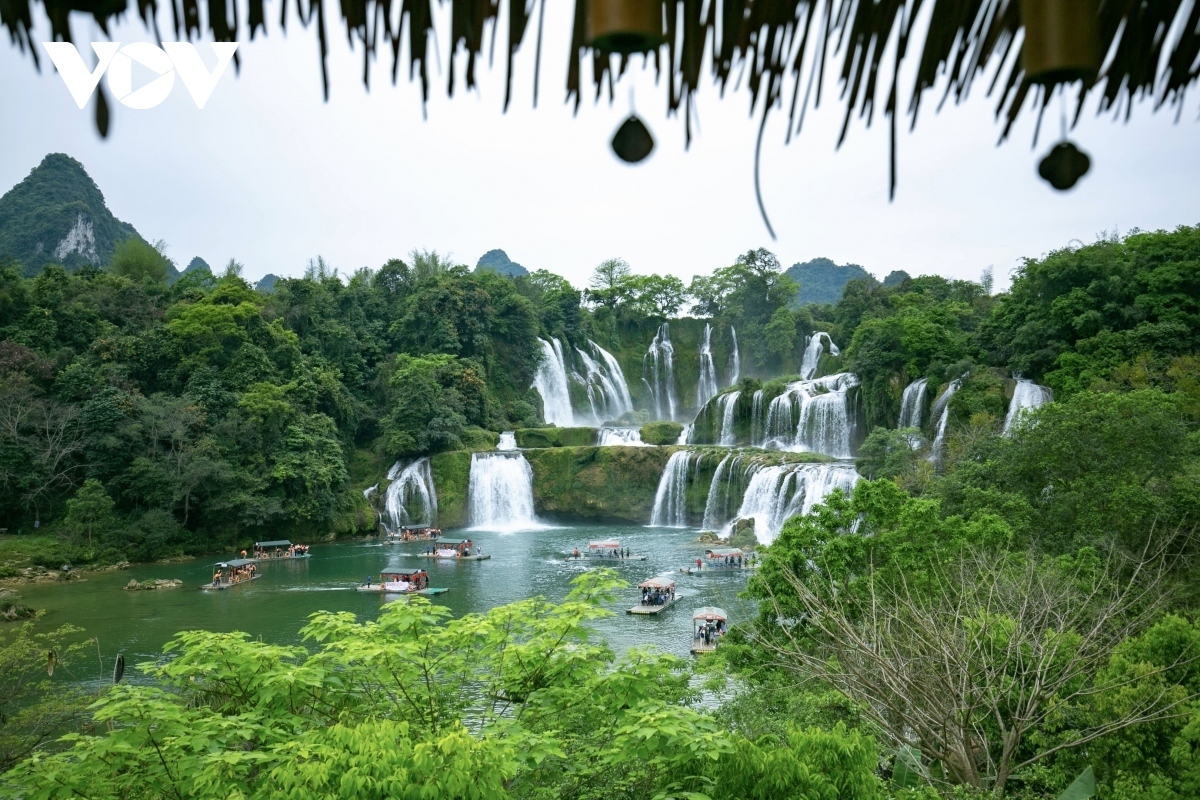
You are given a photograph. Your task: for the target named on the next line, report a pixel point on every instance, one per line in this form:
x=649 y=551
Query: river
x=275 y=607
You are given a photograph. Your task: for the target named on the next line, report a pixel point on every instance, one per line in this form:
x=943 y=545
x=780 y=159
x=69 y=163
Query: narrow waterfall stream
x=735 y=364
x=620 y=437
x=706 y=388
x=813 y=353
x=658 y=373
x=728 y=436
x=1026 y=397
x=912 y=404
x=941 y=411
x=500 y=493
x=410 y=498
x=550 y=380
x=670 y=501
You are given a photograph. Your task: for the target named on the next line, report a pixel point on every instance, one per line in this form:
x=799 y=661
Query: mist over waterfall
x=813 y=353
x=551 y=383
x=727 y=404
x=670 y=501
x=813 y=416
x=735 y=366
x=621 y=437
x=1026 y=397
x=912 y=403
x=776 y=493
x=658 y=373
x=941 y=412
x=607 y=391
x=707 y=386
x=410 y=498
x=500 y=492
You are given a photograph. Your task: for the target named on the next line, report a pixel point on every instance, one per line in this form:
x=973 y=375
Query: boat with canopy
x=721 y=559
x=278 y=548
x=235 y=572
x=607 y=549
x=412 y=533
x=658 y=594
x=457 y=549
x=708 y=626
x=395 y=580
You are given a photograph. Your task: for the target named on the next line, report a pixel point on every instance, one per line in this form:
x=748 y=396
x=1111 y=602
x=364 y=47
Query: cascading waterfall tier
x=735 y=365
x=1026 y=397
x=813 y=353
x=658 y=373
x=727 y=404
x=508 y=441
x=670 y=500
x=775 y=493
x=756 y=419
x=500 y=492
x=621 y=437
x=410 y=498
x=550 y=380
x=912 y=404
x=941 y=412
x=813 y=416
x=706 y=388
x=607 y=391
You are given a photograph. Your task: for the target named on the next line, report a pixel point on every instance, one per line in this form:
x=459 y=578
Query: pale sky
x=270 y=174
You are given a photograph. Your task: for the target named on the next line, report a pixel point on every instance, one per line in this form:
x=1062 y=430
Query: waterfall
x=607 y=392
x=411 y=487
x=820 y=412
x=719 y=483
x=500 y=493
x=1026 y=397
x=658 y=373
x=707 y=387
x=727 y=403
x=685 y=436
x=551 y=383
x=941 y=410
x=912 y=403
x=621 y=437
x=370 y=490
x=508 y=441
x=735 y=370
x=813 y=352
x=776 y=493
x=756 y=420
x=670 y=501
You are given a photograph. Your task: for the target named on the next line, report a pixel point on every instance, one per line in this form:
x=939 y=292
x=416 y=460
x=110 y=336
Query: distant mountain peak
x=822 y=281
x=498 y=261
x=57 y=214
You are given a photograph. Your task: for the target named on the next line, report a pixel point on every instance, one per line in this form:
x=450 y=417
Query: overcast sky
x=270 y=174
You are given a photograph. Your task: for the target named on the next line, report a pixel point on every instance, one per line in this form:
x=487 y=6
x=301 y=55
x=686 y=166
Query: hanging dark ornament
x=1062 y=40
x=632 y=142
x=625 y=26
x=101 y=113
x=118 y=669
x=1064 y=166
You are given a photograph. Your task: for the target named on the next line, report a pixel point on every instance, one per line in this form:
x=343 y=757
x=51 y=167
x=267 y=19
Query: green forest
x=1015 y=619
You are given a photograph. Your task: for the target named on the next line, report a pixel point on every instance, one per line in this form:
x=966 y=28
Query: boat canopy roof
x=424 y=527
x=274 y=543
x=709 y=613
x=234 y=562
x=454 y=542
x=400 y=571
x=605 y=544
x=721 y=552
x=657 y=583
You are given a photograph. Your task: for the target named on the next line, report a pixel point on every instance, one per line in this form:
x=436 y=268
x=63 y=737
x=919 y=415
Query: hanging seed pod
x=118 y=669
x=51 y=660
x=1064 y=166
x=632 y=142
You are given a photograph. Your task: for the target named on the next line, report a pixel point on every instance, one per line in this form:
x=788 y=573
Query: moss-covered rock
x=477 y=439
x=743 y=535
x=451 y=478
x=596 y=483
x=555 y=437
x=661 y=433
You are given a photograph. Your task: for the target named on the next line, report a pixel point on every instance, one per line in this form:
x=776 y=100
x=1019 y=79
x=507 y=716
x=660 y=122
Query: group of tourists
x=413 y=534
x=657 y=597
x=460 y=551
x=616 y=552
x=710 y=631
x=235 y=574
x=403 y=581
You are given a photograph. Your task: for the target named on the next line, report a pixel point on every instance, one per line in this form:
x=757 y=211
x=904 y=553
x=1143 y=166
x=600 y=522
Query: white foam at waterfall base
x=550 y=380
x=1026 y=397
x=411 y=488
x=670 y=500
x=706 y=388
x=813 y=352
x=500 y=493
x=776 y=493
x=621 y=437
x=508 y=441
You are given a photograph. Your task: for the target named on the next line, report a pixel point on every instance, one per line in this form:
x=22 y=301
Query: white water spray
x=621 y=437
x=1026 y=397
x=508 y=441
x=776 y=493
x=410 y=498
x=500 y=493
x=551 y=383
